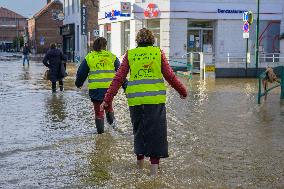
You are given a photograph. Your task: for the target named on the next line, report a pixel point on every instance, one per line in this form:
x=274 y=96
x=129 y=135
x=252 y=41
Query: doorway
x=199 y=39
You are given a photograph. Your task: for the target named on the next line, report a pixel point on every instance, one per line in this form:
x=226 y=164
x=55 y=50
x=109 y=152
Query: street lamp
x=257 y=40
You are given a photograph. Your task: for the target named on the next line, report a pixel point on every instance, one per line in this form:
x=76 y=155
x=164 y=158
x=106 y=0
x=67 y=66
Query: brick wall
x=9 y=33
x=44 y=26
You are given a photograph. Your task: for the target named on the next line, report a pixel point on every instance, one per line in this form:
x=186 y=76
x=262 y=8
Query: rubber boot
x=53 y=87
x=61 y=85
x=110 y=117
x=154 y=170
x=140 y=164
x=100 y=126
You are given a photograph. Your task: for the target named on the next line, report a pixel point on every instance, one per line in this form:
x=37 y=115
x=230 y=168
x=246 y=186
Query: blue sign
x=116 y=13
x=245 y=16
x=231 y=11
x=41 y=40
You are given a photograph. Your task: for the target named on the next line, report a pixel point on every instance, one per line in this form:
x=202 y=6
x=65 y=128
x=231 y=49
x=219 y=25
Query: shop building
x=192 y=26
x=80 y=27
x=44 y=27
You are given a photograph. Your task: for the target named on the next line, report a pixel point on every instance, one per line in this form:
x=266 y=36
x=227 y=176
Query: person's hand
x=182 y=97
x=103 y=106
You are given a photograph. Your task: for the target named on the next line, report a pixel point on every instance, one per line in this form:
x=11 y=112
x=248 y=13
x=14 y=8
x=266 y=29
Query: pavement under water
x=218 y=137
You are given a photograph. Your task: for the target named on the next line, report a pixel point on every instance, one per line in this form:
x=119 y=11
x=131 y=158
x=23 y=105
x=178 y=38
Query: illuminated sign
x=116 y=13
x=152 y=10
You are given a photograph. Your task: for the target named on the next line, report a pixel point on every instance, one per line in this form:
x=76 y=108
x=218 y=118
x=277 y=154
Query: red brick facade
x=44 y=29
x=11 y=25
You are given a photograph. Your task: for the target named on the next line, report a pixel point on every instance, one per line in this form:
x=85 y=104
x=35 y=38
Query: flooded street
x=218 y=137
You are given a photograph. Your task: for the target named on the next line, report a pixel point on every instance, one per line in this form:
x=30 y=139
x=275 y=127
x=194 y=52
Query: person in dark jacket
x=26 y=53
x=146 y=95
x=99 y=66
x=53 y=60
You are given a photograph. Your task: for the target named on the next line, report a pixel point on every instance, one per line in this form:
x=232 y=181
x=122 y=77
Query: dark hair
x=145 y=36
x=100 y=44
x=53 y=46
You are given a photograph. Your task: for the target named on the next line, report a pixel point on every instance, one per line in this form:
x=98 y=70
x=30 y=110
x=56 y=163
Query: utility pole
x=257 y=40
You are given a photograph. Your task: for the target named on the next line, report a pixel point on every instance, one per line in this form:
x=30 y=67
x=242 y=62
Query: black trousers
x=60 y=86
x=150 y=130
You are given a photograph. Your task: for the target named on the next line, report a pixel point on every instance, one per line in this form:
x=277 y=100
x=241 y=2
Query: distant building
x=81 y=20
x=12 y=25
x=196 y=27
x=44 y=27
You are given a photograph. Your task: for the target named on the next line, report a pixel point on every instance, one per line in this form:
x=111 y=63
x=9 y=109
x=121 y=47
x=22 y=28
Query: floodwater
x=218 y=137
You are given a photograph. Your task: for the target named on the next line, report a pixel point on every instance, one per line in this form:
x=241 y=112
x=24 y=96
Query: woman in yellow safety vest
x=146 y=95
x=99 y=66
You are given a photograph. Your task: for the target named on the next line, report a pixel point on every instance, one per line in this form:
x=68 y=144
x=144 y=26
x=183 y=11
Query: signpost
x=248 y=19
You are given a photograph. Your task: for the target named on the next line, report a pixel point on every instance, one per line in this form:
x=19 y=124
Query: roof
x=45 y=8
x=6 y=13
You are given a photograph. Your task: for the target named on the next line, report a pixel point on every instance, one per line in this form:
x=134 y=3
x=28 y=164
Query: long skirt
x=150 y=130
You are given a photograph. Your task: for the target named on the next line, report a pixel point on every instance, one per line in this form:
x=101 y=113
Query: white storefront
x=74 y=43
x=183 y=26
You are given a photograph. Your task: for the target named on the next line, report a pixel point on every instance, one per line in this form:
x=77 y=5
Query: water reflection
x=99 y=161
x=26 y=74
x=56 y=107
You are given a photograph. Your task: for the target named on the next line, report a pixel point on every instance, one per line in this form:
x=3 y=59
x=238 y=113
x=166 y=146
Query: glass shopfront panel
x=154 y=26
x=125 y=37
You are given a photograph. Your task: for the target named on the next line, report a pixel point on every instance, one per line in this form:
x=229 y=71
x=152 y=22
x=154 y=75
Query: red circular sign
x=152 y=10
x=246 y=27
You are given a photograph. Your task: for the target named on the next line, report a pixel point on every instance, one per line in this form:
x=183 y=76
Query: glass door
x=199 y=40
x=194 y=47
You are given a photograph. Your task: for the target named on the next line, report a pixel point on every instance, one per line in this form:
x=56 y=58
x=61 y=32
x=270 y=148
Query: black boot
x=61 y=85
x=53 y=87
x=110 y=117
x=100 y=126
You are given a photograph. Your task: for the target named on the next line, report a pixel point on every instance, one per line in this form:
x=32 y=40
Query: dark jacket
x=82 y=74
x=26 y=51
x=53 y=60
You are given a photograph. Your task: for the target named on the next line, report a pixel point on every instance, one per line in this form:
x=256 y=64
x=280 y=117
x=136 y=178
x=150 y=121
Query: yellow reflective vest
x=146 y=83
x=102 y=69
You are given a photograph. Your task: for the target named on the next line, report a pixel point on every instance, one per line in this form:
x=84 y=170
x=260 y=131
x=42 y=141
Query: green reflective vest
x=146 y=84
x=102 y=69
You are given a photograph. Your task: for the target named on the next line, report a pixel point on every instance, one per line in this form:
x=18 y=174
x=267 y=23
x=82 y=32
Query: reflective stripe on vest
x=148 y=81
x=102 y=69
x=149 y=93
x=146 y=84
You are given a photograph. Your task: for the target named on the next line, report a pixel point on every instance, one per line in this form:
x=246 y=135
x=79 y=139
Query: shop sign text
x=231 y=11
x=116 y=13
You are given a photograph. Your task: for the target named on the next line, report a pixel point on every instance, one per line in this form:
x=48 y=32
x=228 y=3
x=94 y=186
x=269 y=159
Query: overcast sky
x=26 y=8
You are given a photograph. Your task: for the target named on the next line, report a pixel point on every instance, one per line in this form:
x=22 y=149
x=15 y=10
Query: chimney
x=48 y=1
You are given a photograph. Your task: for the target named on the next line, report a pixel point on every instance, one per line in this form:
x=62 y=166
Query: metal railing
x=266 y=91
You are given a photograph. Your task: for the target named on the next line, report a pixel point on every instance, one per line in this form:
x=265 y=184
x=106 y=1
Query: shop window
x=154 y=26
x=68 y=7
x=78 y=5
x=126 y=36
x=73 y=6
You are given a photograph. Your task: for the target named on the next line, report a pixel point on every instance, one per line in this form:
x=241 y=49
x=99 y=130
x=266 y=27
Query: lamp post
x=257 y=40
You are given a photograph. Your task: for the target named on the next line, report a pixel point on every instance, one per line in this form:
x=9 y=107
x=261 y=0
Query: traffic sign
x=96 y=33
x=245 y=16
x=246 y=35
x=246 y=27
